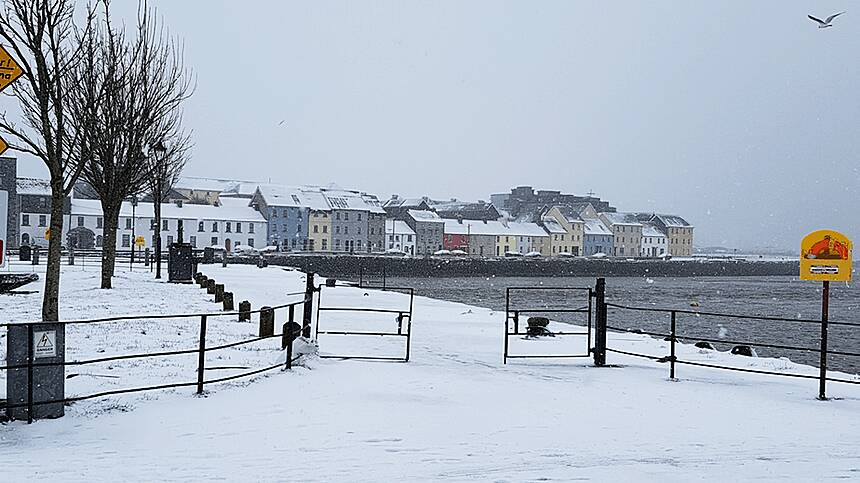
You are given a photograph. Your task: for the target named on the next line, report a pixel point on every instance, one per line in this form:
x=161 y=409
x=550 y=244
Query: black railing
x=403 y=316
x=675 y=320
x=513 y=312
x=287 y=337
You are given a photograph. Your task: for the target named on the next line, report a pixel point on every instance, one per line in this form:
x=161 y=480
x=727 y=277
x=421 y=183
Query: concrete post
x=210 y=286
x=228 y=301
x=244 y=311
x=267 y=322
x=219 y=293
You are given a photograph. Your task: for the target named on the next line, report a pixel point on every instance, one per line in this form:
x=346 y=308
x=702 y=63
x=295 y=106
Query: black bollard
x=244 y=311
x=210 y=286
x=228 y=301
x=267 y=322
x=219 y=292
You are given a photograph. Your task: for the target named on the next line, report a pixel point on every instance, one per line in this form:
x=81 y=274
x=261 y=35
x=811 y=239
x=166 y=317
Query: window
x=214 y=241
x=316 y=228
x=298 y=229
x=126 y=240
x=193 y=241
x=200 y=226
x=325 y=228
x=346 y=230
x=99 y=240
x=43 y=220
x=337 y=230
x=337 y=215
x=337 y=244
x=371 y=230
x=325 y=244
x=238 y=227
x=359 y=230
x=409 y=238
x=25 y=239
x=165 y=225
x=346 y=217
x=359 y=217
x=25 y=220
x=228 y=227
x=214 y=227
x=80 y=221
x=251 y=242
x=127 y=223
x=99 y=223
x=169 y=240
x=250 y=228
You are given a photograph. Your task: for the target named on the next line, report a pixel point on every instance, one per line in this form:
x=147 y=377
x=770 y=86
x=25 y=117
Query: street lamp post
x=159 y=151
x=133 y=224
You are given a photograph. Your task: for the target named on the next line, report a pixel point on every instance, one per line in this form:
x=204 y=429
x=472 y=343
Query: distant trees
x=128 y=102
x=46 y=42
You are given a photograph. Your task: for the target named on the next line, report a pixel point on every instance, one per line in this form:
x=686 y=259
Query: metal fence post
x=600 y=329
x=308 y=306
x=288 y=335
x=822 y=366
x=29 y=373
x=201 y=355
x=672 y=345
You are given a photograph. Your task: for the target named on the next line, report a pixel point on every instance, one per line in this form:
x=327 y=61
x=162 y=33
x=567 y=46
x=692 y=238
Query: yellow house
x=319 y=231
x=571 y=241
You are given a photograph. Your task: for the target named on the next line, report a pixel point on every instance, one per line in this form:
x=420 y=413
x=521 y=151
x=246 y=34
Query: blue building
x=287 y=215
x=597 y=238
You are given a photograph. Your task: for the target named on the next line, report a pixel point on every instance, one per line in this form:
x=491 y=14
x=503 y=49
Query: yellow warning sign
x=48 y=234
x=825 y=255
x=10 y=71
x=3 y=145
x=139 y=241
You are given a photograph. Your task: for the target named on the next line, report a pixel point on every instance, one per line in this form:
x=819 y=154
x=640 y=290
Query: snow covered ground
x=454 y=412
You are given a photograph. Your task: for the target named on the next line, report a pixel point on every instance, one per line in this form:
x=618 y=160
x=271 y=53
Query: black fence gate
x=401 y=324
x=525 y=302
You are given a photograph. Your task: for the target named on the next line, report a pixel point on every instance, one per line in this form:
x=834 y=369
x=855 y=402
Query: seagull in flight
x=823 y=24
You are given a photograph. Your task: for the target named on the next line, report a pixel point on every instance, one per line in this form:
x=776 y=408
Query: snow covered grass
x=453 y=413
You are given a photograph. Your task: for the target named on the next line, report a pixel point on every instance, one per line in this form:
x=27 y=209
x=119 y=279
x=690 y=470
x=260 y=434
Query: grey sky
x=741 y=116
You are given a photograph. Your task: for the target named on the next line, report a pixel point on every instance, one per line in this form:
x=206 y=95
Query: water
x=766 y=296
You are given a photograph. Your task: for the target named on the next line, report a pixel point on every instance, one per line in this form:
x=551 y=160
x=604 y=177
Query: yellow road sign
x=10 y=71
x=139 y=241
x=48 y=234
x=825 y=255
x=3 y=145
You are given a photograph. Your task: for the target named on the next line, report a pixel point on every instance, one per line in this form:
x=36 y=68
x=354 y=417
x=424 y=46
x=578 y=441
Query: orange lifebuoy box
x=825 y=255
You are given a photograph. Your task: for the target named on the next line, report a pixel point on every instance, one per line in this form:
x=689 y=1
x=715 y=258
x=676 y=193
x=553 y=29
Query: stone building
x=523 y=202
x=34 y=211
x=429 y=228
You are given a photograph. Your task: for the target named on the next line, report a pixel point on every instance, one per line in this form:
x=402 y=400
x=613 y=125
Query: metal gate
x=401 y=324
x=577 y=301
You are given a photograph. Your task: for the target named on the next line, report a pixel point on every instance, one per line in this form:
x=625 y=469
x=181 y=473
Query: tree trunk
x=157 y=237
x=51 y=300
x=109 y=232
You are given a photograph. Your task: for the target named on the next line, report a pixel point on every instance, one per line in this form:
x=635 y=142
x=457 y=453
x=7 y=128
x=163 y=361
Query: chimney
x=179 y=203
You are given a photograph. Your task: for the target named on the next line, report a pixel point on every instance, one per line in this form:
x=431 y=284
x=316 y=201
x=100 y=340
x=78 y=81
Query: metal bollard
x=146 y=258
x=228 y=301
x=219 y=292
x=244 y=311
x=267 y=322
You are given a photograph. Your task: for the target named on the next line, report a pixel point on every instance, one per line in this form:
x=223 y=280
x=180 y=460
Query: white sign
x=4 y=213
x=44 y=343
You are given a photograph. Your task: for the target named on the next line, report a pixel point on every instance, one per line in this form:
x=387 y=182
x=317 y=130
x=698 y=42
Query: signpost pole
x=825 y=303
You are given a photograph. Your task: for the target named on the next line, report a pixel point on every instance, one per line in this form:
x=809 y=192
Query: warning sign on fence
x=825 y=255
x=44 y=343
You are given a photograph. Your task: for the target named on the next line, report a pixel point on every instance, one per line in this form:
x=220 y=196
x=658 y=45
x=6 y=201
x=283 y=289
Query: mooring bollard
x=146 y=258
x=244 y=311
x=219 y=292
x=71 y=256
x=228 y=301
x=267 y=322
x=210 y=286
x=204 y=281
x=308 y=306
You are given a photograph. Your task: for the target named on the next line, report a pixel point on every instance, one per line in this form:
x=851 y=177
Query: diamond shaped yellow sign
x=3 y=146
x=10 y=71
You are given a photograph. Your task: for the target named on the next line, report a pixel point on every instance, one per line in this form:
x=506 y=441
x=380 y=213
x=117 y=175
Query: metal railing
x=287 y=338
x=403 y=316
x=675 y=319
x=512 y=315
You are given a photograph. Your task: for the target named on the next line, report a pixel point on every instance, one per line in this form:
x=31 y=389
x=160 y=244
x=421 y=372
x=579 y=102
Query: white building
x=530 y=237
x=399 y=236
x=230 y=224
x=654 y=242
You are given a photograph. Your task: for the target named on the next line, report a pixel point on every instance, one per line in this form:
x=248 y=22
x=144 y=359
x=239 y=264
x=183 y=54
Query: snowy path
x=453 y=413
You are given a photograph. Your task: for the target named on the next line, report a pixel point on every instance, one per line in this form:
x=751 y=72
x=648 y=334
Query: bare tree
x=44 y=41
x=165 y=81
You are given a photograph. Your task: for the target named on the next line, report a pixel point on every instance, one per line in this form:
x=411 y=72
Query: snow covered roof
x=403 y=202
x=397 y=227
x=341 y=199
x=596 y=227
x=424 y=215
x=474 y=227
x=552 y=226
x=226 y=186
x=621 y=218
x=33 y=186
x=652 y=231
x=673 y=221
x=569 y=213
x=293 y=196
x=526 y=229
x=230 y=209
